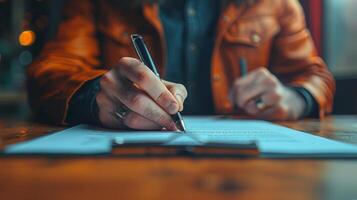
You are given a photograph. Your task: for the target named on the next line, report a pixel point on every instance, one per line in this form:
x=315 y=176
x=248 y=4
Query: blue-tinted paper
x=272 y=140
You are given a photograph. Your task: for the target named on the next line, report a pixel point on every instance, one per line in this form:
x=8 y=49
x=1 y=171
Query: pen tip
x=181 y=125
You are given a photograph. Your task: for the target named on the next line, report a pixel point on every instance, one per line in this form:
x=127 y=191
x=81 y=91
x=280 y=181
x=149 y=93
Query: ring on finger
x=260 y=104
x=121 y=112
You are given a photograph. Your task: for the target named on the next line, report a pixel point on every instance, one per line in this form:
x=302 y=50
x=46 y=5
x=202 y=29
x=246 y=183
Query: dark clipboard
x=212 y=148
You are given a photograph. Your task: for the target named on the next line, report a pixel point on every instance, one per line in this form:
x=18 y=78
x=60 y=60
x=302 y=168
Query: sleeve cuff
x=311 y=105
x=83 y=106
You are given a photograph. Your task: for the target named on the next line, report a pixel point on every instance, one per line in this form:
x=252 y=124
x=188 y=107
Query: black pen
x=145 y=57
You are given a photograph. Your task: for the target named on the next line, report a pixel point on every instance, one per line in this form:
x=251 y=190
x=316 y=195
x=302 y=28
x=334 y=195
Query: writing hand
x=132 y=96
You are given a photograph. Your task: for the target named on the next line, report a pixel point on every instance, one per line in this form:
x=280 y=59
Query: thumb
x=178 y=91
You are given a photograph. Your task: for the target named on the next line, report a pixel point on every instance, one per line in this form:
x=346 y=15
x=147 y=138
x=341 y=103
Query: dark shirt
x=189 y=28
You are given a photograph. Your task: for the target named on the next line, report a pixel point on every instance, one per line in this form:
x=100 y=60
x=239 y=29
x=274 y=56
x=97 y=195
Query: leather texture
x=92 y=37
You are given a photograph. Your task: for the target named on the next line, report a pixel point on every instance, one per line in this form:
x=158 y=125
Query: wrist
x=295 y=103
x=83 y=106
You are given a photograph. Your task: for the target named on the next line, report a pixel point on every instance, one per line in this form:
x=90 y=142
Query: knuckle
x=108 y=80
x=269 y=81
x=125 y=61
x=99 y=98
x=263 y=71
x=163 y=98
x=142 y=77
x=104 y=80
x=136 y=100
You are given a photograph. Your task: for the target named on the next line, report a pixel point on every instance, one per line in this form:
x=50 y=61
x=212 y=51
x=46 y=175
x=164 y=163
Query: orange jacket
x=91 y=38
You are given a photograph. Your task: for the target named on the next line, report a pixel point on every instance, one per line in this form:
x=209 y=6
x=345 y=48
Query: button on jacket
x=93 y=36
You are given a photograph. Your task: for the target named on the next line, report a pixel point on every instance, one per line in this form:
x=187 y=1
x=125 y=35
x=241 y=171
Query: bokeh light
x=27 y=38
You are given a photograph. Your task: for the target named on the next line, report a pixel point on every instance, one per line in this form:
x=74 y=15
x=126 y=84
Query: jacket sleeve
x=295 y=60
x=65 y=63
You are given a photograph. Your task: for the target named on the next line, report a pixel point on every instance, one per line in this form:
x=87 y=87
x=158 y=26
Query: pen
x=243 y=66
x=244 y=71
x=146 y=58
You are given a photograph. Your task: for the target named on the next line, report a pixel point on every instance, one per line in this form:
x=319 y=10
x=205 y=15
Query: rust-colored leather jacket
x=91 y=39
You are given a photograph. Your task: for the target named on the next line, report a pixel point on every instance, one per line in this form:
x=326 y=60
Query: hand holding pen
x=261 y=94
x=146 y=58
x=132 y=96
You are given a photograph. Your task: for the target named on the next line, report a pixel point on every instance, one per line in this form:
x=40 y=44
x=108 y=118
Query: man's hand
x=262 y=95
x=148 y=102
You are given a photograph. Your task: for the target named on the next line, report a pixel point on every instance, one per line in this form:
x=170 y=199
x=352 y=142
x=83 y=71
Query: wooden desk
x=112 y=177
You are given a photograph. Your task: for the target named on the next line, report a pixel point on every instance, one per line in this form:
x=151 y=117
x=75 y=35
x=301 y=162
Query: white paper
x=272 y=140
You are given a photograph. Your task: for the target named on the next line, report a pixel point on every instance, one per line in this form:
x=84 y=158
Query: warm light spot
x=27 y=38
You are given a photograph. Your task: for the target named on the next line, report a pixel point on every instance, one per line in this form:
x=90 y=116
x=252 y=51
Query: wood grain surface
x=178 y=177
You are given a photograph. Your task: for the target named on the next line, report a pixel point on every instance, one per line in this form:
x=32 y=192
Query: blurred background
x=26 y=25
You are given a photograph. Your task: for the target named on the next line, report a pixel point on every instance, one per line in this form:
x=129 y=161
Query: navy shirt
x=189 y=28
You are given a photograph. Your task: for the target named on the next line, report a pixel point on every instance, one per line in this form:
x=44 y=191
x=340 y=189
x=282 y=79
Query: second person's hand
x=279 y=102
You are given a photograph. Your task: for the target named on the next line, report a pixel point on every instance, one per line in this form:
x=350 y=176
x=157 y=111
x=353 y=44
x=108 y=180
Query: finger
x=261 y=78
x=140 y=103
x=132 y=120
x=261 y=82
x=109 y=120
x=105 y=103
x=120 y=90
x=243 y=97
x=246 y=82
x=247 y=85
x=106 y=110
x=251 y=108
x=275 y=110
x=179 y=92
x=270 y=99
x=136 y=121
x=146 y=80
x=247 y=88
x=274 y=113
